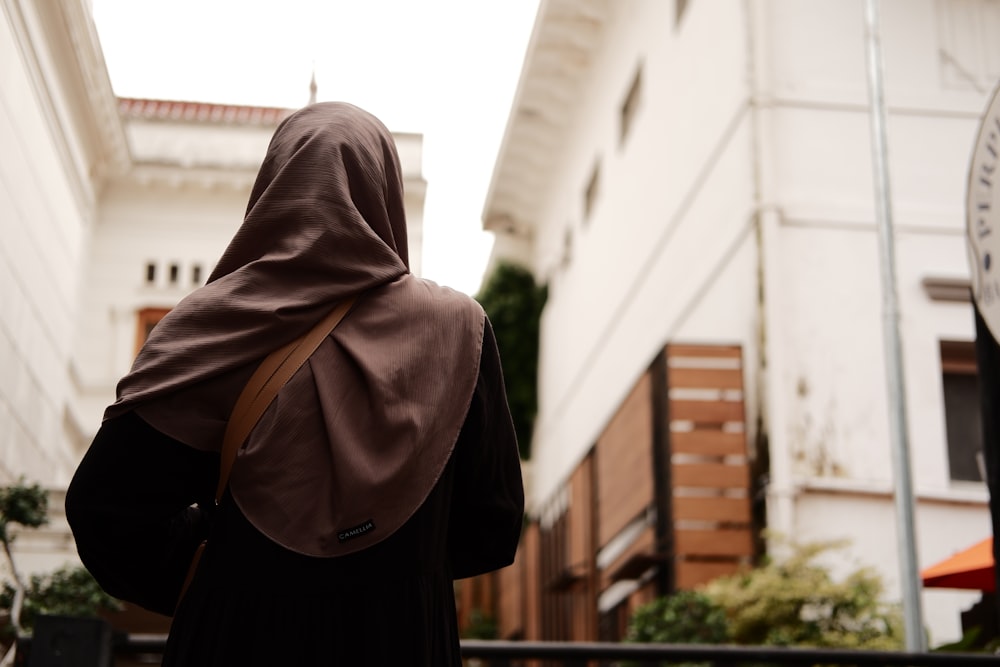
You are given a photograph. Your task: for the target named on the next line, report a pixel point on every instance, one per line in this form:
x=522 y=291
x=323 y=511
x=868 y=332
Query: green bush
x=686 y=617
x=25 y=504
x=481 y=626
x=794 y=602
x=68 y=591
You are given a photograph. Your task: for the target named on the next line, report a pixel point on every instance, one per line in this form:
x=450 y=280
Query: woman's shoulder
x=444 y=297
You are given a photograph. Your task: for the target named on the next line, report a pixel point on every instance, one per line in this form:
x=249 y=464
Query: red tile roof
x=200 y=112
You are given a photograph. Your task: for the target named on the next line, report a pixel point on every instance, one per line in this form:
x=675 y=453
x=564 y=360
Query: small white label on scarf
x=357 y=531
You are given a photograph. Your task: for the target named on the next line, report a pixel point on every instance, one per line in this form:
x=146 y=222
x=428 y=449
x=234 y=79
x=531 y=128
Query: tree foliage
x=792 y=602
x=24 y=504
x=686 y=617
x=68 y=591
x=796 y=602
x=27 y=505
x=481 y=625
x=514 y=305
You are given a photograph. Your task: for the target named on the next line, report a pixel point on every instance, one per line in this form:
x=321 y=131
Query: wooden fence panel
x=709 y=468
x=623 y=460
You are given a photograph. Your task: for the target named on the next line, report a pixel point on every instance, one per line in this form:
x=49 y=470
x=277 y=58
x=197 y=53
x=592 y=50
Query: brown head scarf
x=364 y=429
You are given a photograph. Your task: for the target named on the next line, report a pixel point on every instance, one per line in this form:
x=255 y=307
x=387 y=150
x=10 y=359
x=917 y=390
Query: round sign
x=982 y=212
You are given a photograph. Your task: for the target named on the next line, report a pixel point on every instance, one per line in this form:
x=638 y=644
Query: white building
x=110 y=212
x=701 y=173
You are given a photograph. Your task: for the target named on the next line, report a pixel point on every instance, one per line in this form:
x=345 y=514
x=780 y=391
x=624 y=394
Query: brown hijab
x=356 y=440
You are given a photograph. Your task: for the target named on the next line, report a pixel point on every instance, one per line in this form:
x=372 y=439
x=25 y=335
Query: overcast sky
x=445 y=68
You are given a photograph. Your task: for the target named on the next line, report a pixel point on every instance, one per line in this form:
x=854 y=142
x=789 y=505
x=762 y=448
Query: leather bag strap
x=272 y=374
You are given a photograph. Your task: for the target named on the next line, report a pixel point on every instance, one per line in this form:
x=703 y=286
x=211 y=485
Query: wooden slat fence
x=709 y=468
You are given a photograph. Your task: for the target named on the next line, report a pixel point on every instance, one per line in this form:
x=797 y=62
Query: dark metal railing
x=570 y=654
x=580 y=653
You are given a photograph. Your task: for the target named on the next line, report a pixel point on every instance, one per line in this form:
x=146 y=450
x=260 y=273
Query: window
x=630 y=104
x=174 y=274
x=147 y=319
x=680 y=6
x=567 y=250
x=590 y=194
x=963 y=420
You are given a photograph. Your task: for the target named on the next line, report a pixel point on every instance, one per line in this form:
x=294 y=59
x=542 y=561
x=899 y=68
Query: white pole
x=909 y=575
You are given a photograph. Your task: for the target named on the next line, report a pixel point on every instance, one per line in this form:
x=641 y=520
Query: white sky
x=445 y=68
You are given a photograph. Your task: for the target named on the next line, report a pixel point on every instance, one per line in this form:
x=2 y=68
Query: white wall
x=186 y=225
x=868 y=521
x=45 y=213
x=677 y=190
x=827 y=385
x=752 y=144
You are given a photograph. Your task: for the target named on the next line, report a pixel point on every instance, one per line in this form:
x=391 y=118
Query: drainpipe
x=771 y=412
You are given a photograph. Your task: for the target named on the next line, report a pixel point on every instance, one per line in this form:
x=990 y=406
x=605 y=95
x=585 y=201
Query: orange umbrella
x=970 y=569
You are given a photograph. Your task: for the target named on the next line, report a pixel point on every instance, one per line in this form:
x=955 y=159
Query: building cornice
x=558 y=57
x=102 y=106
x=178 y=177
x=63 y=61
x=200 y=112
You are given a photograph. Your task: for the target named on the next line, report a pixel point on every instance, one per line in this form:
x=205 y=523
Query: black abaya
x=253 y=602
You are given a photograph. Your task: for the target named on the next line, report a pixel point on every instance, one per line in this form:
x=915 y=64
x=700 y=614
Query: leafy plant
x=28 y=506
x=796 y=602
x=686 y=617
x=68 y=591
x=22 y=504
x=481 y=626
x=514 y=305
x=974 y=640
x=792 y=602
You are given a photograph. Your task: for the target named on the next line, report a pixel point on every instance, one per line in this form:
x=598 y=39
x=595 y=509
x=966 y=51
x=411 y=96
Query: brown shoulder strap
x=272 y=374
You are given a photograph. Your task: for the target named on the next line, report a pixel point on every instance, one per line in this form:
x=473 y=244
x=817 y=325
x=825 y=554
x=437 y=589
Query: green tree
x=514 y=305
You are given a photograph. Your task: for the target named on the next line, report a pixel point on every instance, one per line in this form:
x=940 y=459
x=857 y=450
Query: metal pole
x=909 y=575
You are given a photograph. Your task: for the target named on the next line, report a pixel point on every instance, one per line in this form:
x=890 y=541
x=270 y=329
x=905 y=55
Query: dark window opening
x=590 y=194
x=150 y=272
x=963 y=419
x=174 y=273
x=680 y=6
x=630 y=104
x=196 y=274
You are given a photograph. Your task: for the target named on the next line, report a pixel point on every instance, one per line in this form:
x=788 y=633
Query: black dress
x=253 y=602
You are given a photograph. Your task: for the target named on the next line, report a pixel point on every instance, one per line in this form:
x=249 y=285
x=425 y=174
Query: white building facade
x=701 y=173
